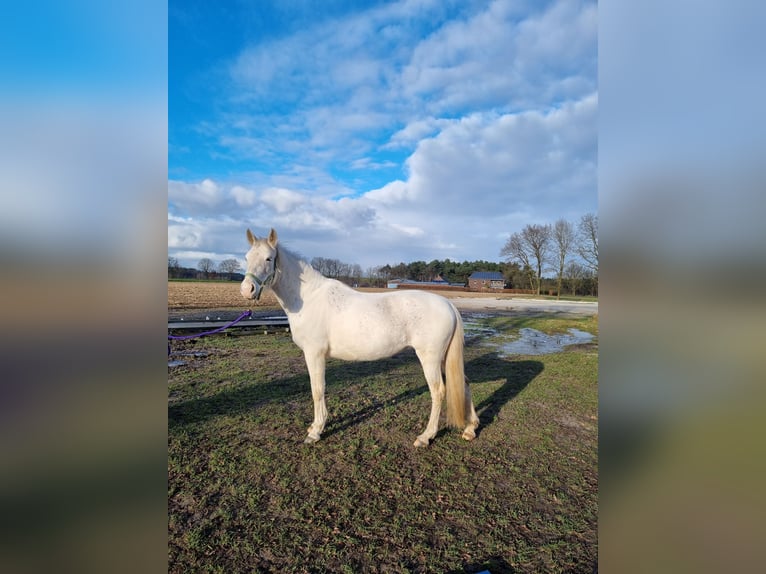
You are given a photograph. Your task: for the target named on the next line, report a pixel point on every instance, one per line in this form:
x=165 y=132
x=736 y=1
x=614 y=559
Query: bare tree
x=334 y=268
x=355 y=273
x=515 y=277
x=385 y=271
x=229 y=266
x=173 y=266
x=318 y=263
x=515 y=250
x=587 y=240
x=378 y=275
x=564 y=239
x=590 y=281
x=531 y=249
x=574 y=274
x=373 y=272
x=206 y=265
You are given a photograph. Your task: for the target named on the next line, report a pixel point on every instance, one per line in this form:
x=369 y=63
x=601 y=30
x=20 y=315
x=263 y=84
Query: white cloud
x=489 y=163
x=243 y=196
x=183 y=233
x=282 y=200
x=366 y=163
x=414 y=131
x=499 y=58
x=407 y=230
x=392 y=193
x=195 y=197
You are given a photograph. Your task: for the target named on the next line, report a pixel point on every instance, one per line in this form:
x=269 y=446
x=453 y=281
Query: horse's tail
x=454 y=374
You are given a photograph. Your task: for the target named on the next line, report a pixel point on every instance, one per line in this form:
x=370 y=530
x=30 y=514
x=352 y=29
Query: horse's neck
x=296 y=278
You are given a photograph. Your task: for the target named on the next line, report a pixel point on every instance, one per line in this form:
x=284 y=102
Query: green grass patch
x=245 y=494
x=545 y=322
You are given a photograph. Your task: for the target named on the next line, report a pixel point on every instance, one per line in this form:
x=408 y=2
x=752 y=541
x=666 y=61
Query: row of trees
x=206 y=269
x=568 y=251
x=336 y=269
x=451 y=271
x=456 y=272
x=576 y=279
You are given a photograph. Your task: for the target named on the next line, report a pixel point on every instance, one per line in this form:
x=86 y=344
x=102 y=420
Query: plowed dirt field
x=212 y=295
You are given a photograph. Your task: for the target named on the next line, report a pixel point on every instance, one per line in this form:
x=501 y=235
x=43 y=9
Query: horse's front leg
x=315 y=362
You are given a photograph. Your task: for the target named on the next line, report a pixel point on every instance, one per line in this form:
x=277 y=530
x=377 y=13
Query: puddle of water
x=473 y=328
x=195 y=354
x=534 y=342
x=529 y=341
x=471 y=316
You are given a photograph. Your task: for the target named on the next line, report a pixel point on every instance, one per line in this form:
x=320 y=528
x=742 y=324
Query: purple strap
x=247 y=313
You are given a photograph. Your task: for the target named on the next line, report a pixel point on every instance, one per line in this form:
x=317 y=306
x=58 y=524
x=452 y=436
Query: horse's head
x=261 y=265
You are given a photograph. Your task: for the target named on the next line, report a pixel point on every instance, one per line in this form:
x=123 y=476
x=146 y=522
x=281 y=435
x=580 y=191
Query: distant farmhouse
x=438 y=281
x=486 y=281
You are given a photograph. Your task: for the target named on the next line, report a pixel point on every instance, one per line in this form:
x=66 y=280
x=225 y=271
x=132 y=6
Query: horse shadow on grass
x=250 y=397
x=515 y=376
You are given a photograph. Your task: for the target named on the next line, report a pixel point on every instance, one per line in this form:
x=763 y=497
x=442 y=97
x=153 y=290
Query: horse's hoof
x=310 y=439
x=468 y=435
x=420 y=442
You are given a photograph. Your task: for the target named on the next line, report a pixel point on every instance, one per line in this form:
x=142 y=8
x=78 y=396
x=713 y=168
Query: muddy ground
x=185 y=296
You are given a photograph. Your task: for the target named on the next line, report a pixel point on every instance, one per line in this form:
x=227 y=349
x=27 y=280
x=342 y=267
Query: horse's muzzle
x=250 y=290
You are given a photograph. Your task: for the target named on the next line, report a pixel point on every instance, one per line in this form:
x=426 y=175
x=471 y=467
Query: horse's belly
x=366 y=346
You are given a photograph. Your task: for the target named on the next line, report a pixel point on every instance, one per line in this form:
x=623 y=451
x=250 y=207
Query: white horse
x=329 y=319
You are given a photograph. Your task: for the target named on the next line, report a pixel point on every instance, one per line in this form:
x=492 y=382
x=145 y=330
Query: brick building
x=486 y=281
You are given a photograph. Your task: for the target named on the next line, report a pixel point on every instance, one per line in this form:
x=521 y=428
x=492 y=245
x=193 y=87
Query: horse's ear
x=250 y=237
x=272 y=238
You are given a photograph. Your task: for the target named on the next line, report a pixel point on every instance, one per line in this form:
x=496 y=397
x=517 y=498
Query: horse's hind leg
x=316 y=366
x=433 y=372
x=469 y=433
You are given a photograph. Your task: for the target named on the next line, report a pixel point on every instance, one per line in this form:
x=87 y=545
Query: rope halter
x=268 y=281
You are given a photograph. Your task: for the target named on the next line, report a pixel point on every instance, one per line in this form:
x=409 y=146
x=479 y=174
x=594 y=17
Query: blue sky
x=378 y=132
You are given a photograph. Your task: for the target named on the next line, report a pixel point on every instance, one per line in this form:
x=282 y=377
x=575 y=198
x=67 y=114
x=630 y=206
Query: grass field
x=245 y=494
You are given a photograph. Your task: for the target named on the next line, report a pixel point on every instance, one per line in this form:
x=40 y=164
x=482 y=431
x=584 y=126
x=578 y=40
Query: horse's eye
x=268 y=259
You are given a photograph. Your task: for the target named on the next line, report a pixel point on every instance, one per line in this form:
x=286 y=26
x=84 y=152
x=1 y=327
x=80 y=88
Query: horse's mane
x=289 y=251
x=297 y=257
